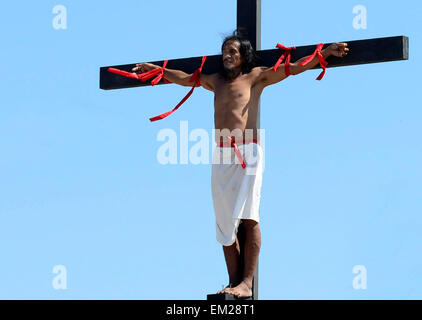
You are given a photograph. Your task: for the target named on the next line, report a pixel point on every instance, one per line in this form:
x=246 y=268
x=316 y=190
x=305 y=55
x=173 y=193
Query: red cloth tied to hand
x=287 y=54
x=322 y=61
x=123 y=73
x=158 y=72
x=196 y=83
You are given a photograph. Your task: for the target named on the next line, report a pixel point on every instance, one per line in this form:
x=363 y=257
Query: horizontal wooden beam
x=361 y=52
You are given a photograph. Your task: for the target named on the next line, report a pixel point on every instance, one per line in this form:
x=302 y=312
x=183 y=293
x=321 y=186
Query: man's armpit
x=207 y=81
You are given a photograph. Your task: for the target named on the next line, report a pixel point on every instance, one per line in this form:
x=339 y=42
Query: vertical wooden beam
x=249 y=22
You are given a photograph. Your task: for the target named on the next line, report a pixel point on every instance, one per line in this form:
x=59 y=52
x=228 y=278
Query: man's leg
x=232 y=256
x=251 y=253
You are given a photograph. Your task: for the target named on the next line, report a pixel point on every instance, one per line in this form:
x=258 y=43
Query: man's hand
x=338 y=49
x=144 y=67
x=177 y=76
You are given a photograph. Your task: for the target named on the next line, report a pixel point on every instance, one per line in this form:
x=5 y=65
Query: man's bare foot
x=226 y=289
x=242 y=290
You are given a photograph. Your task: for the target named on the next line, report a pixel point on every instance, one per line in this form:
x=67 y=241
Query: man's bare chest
x=236 y=93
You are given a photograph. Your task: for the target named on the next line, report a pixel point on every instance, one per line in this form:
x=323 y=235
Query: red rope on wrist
x=195 y=78
x=158 y=72
x=322 y=61
x=286 y=54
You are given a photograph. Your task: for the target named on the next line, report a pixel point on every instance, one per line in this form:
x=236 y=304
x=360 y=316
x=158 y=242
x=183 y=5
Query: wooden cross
x=249 y=20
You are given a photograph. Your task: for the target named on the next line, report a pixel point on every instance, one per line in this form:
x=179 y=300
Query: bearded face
x=232 y=59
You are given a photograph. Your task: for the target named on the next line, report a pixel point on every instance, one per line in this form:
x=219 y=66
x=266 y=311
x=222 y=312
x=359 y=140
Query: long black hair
x=246 y=51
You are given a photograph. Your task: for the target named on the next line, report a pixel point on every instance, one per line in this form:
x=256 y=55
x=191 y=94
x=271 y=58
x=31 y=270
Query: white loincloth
x=236 y=191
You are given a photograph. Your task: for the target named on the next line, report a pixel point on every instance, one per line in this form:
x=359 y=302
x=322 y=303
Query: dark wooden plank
x=249 y=23
x=361 y=52
x=110 y=80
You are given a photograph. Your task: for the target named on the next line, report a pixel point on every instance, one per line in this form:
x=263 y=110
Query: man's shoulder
x=258 y=69
x=257 y=73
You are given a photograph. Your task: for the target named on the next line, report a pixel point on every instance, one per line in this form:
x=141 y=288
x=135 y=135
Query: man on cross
x=236 y=194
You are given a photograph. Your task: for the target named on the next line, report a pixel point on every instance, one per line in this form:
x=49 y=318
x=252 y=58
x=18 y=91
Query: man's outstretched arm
x=176 y=76
x=268 y=76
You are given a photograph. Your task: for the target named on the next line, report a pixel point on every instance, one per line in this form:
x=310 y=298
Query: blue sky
x=80 y=185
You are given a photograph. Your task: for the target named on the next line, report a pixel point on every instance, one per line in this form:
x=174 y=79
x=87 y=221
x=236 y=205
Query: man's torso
x=236 y=106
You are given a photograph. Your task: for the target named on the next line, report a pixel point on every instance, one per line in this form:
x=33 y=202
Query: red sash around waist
x=236 y=149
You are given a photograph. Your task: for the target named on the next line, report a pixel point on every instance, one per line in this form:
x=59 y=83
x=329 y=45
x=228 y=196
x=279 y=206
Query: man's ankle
x=235 y=281
x=248 y=282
